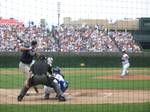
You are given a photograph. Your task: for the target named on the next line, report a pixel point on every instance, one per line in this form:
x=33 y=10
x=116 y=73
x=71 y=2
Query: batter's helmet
x=34 y=42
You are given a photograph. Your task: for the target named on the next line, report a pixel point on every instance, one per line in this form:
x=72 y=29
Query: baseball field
x=90 y=90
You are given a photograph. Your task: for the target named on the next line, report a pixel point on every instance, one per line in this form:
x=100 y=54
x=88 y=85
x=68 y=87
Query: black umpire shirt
x=41 y=67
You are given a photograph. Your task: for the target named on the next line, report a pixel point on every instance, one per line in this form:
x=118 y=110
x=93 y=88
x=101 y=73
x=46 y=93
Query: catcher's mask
x=56 y=70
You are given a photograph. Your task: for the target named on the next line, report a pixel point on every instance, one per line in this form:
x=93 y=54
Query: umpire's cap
x=41 y=57
x=34 y=42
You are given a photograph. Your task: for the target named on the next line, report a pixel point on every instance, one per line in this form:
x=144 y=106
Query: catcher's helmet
x=56 y=70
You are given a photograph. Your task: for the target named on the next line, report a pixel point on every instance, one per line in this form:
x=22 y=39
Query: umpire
x=39 y=74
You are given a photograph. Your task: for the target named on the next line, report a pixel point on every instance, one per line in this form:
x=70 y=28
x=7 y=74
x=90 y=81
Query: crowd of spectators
x=125 y=41
x=79 y=38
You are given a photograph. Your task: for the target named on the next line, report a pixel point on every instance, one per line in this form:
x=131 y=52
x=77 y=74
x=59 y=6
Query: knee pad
x=64 y=85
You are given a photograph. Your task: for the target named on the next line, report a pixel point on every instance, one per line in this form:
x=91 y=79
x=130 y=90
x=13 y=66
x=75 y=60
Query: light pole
x=58 y=11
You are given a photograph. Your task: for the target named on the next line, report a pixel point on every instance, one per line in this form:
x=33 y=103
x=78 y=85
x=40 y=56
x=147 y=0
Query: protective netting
x=94 y=53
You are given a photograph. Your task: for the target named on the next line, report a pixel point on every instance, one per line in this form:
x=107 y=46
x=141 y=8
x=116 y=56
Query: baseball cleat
x=46 y=96
x=61 y=98
x=19 y=98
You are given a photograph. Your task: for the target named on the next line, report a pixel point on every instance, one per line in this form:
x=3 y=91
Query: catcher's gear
x=63 y=85
x=57 y=70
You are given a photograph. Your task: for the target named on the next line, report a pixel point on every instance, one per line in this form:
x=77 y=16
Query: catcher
x=59 y=78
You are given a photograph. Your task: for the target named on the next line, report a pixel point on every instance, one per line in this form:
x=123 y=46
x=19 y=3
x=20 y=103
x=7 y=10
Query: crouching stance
x=59 y=78
x=41 y=73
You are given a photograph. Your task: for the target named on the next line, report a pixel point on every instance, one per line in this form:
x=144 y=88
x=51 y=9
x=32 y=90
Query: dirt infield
x=89 y=96
x=128 y=77
x=10 y=72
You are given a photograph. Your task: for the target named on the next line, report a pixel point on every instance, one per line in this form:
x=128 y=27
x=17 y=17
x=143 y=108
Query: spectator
x=77 y=38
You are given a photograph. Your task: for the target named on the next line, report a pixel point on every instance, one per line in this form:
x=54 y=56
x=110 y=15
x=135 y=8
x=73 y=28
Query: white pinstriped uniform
x=125 y=64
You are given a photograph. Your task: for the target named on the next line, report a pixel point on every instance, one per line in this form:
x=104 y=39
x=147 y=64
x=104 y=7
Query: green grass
x=141 y=107
x=79 y=79
x=104 y=68
x=85 y=81
x=146 y=50
x=11 y=81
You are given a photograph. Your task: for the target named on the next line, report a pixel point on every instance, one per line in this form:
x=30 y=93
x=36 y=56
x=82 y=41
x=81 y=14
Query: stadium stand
x=80 y=38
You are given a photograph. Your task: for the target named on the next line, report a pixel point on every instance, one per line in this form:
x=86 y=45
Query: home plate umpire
x=39 y=75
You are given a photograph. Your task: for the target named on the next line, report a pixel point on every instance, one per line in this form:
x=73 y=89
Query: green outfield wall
x=86 y=59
